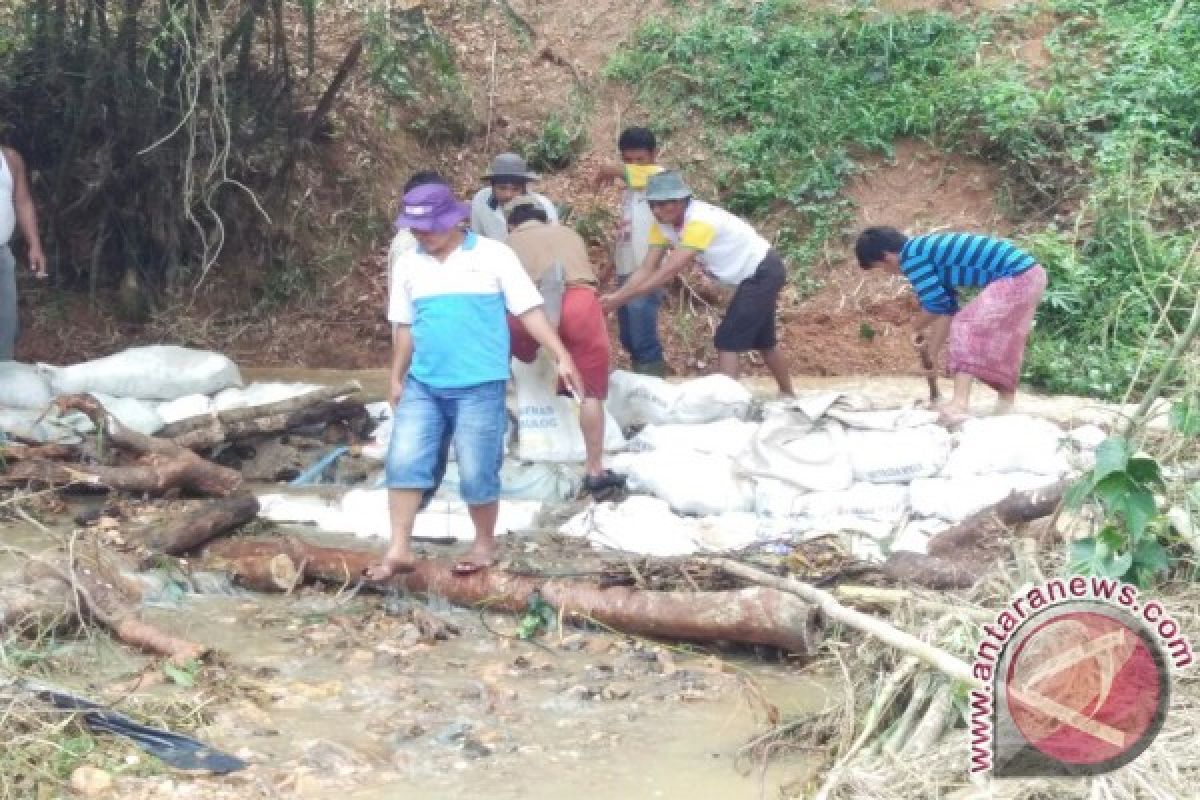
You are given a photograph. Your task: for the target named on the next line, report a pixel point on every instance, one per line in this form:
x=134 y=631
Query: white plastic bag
x=789 y=448
x=1009 y=443
x=639 y=524
x=33 y=426
x=23 y=386
x=548 y=425
x=690 y=482
x=157 y=372
x=364 y=513
x=955 y=499
x=635 y=400
x=898 y=456
x=260 y=394
x=544 y=483
x=139 y=415
x=727 y=437
x=186 y=407
x=886 y=502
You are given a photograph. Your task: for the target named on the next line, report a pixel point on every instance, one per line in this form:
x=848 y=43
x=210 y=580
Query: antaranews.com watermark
x=1076 y=676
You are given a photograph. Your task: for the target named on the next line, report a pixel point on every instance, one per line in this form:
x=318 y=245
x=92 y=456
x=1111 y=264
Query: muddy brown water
x=332 y=695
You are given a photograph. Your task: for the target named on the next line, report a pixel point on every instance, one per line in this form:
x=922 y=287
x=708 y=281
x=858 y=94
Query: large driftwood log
x=206 y=520
x=161 y=465
x=873 y=626
x=750 y=616
x=277 y=573
x=327 y=404
x=958 y=556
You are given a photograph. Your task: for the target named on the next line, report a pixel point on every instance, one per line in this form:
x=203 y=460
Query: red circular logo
x=1084 y=688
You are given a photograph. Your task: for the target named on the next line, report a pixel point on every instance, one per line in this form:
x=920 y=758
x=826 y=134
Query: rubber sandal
x=604 y=481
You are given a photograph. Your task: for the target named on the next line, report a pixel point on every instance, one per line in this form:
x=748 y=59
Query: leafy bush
x=556 y=146
x=789 y=96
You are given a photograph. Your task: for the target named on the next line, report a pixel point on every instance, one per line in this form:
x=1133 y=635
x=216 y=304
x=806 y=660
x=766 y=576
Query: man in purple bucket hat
x=449 y=368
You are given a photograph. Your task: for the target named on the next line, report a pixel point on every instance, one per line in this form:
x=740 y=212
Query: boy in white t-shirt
x=637 y=320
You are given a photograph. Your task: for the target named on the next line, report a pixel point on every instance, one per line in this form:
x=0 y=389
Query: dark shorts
x=749 y=322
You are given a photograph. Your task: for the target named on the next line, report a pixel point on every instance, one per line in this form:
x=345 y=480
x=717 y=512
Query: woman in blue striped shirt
x=987 y=337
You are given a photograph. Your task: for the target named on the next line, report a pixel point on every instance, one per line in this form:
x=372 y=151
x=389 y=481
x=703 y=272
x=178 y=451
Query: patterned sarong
x=987 y=338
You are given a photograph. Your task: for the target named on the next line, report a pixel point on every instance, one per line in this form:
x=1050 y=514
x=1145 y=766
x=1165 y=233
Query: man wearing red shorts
x=543 y=250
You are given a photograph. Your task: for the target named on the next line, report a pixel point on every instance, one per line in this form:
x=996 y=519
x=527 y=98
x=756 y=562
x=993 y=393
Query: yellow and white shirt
x=633 y=232
x=727 y=247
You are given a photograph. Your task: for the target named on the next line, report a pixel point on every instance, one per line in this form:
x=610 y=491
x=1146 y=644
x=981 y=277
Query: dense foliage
x=1099 y=150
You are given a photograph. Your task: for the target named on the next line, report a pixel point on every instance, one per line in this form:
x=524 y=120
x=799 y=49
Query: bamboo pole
x=939 y=659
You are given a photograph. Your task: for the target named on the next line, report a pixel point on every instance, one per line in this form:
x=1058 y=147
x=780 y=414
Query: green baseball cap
x=667 y=185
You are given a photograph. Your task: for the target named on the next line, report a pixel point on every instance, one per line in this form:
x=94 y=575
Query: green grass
x=789 y=98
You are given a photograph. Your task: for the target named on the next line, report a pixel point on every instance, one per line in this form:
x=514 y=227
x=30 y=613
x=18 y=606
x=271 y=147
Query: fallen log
x=48 y=452
x=160 y=466
x=873 y=626
x=98 y=593
x=750 y=616
x=931 y=572
x=207 y=520
x=326 y=404
x=277 y=573
x=959 y=556
x=991 y=528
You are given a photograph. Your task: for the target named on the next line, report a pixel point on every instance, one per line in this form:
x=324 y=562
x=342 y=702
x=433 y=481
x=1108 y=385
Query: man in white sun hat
x=508 y=178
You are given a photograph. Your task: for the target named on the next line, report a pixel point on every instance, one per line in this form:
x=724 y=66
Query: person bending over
x=731 y=252
x=984 y=340
x=543 y=248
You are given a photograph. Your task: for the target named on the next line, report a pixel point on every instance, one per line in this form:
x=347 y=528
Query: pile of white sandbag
x=146 y=388
x=825 y=463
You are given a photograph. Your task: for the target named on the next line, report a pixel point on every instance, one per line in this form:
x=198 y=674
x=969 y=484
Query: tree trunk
x=208 y=430
x=162 y=464
x=958 y=556
x=873 y=626
x=277 y=573
x=750 y=616
x=207 y=520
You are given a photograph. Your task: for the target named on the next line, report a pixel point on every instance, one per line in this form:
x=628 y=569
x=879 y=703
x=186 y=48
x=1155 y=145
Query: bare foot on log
x=391 y=565
x=475 y=560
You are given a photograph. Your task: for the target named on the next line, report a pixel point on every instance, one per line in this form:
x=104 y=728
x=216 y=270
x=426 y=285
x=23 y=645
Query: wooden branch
x=891 y=598
x=47 y=452
x=98 y=593
x=325 y=104
x=752 y=616
x=162 y=464
x=207 y=520
x=935 y=657
x=207 y=430
x=958 y=556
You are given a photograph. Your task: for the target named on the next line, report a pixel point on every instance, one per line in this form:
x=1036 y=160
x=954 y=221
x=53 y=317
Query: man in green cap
x=729 y=251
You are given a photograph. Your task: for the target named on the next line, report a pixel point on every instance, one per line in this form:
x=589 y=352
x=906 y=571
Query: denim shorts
x=472 y=418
